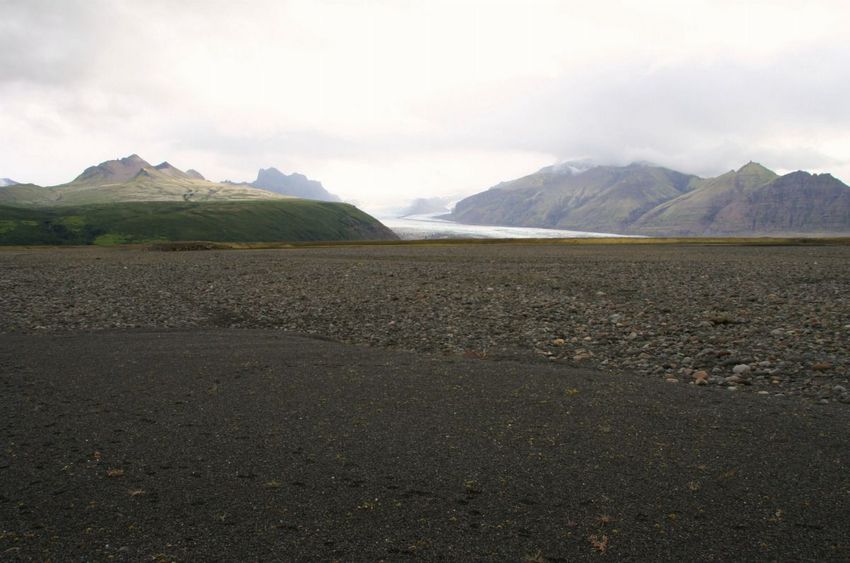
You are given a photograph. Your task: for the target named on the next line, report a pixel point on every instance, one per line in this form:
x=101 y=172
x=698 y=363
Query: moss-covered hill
x=221 y=221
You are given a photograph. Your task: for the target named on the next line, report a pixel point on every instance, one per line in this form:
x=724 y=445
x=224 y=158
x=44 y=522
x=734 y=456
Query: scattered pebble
x=655 y=311
x=700 y=377
x=741 y=369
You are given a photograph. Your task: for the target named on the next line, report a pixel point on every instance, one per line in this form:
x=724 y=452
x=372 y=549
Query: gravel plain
x=773 y=320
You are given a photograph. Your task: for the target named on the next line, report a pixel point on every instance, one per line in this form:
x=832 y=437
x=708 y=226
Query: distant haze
x=385 y=102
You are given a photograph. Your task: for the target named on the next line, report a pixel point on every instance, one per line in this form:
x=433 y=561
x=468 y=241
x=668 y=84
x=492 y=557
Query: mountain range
x=640 y=198
x=131 y=179
x=645 y=199
x=134 y=179
x=130 y=200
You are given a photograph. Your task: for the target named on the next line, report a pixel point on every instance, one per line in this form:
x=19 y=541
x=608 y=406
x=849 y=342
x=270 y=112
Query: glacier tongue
x=423 y=227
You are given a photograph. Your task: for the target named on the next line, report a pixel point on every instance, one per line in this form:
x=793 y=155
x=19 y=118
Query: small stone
x=559 y=342
x=671 y=380
x=821 y=366
x=732 y=379
x=741 y=369
x=732 y=388
x=700 y=377
x=838 y=389
x=777 y=332
x=823 y=402
x=764 y=392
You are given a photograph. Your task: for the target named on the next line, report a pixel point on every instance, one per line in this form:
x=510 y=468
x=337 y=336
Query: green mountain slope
x=24 y=194
x=604 y=198
x=236 y=221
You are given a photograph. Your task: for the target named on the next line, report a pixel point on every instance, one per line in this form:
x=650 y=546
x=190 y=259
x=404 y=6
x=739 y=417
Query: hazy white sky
x=385 y=101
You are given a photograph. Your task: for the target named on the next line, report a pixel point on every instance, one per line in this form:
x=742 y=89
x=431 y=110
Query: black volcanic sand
x=227 y=444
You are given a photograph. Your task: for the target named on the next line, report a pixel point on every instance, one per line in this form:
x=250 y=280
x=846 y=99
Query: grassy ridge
x=227 y=221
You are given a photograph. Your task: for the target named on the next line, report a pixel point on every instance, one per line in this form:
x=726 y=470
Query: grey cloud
x=699 y=117
x=49 y=42
x=95 y=67
x=204 y=136
x=704 y=116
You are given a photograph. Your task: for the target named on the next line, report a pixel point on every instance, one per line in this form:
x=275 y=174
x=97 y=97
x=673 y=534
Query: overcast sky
x=385 y=101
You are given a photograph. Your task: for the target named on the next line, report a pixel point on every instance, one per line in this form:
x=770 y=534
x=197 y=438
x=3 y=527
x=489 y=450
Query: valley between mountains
x=128 y=200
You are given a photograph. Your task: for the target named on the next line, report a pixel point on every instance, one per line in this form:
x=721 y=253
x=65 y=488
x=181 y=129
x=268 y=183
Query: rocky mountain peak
x=755 y=168
x=269 y=174
x=294 y=184
x=113 y=171
x=165 y=168
x=752 y=175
